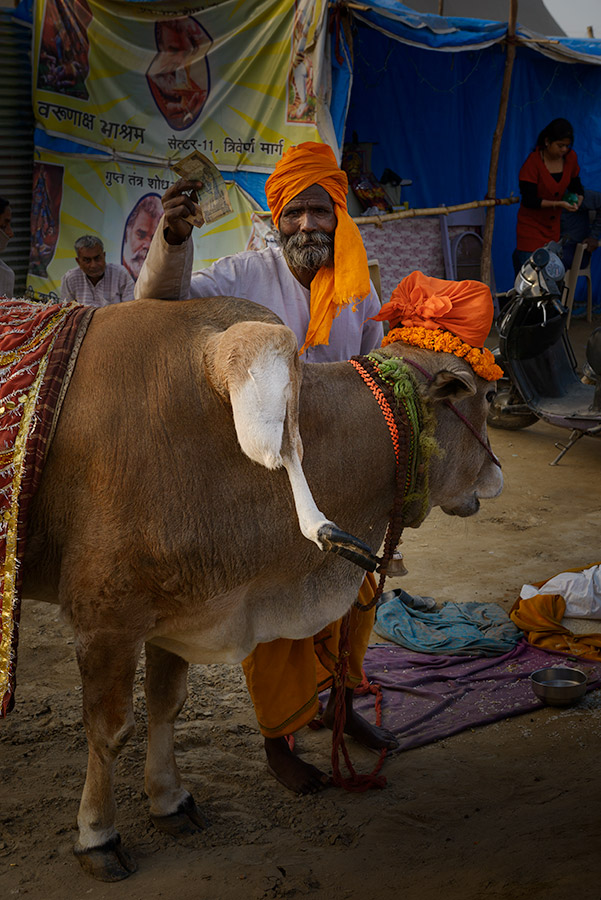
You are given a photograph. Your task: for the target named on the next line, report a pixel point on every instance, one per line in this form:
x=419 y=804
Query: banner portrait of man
x=63 y=60
x=139 y=229
x=178 y=76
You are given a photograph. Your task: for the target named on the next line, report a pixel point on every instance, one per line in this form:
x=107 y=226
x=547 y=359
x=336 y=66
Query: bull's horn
x=334 y=540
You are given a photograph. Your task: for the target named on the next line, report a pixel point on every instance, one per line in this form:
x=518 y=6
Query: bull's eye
x=490 y=396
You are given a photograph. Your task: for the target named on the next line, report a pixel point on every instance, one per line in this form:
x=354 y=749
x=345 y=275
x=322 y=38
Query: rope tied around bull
x=411 y=431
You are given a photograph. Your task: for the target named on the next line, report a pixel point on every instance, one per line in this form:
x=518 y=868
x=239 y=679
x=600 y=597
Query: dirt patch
x=508 y=811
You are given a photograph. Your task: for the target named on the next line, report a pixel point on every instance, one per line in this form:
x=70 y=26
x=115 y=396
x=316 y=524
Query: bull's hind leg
x=107 y=665
x=172 y=808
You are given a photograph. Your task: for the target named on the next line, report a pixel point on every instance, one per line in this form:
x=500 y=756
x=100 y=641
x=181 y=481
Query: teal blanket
x=455 y=629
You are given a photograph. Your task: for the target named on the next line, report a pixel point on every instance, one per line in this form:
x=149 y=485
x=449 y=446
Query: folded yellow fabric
x=540 y=617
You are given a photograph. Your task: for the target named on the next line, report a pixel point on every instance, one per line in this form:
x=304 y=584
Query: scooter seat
x=575 y=404
x=551 y=386
x=527 y=329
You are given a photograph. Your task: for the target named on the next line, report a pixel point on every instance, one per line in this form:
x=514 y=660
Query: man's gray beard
x=308 y=252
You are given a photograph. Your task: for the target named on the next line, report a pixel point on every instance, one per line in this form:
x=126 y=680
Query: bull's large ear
x=447 y=385
x=255 y=366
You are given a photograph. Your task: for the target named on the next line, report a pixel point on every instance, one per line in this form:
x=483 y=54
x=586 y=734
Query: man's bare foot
x=372 y=736
x=290 y=770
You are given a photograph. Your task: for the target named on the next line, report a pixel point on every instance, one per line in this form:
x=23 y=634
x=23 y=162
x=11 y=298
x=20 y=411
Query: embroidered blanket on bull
x=38 y=348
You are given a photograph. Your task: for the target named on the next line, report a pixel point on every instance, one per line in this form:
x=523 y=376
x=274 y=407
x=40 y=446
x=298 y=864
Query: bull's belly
x=193 y=648
x=233 y=625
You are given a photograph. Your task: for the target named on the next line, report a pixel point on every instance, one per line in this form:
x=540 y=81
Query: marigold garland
x=482 y=361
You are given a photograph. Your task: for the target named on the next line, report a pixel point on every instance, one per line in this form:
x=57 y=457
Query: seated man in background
x=317 y=281
x=582 y=227
x=93 y=281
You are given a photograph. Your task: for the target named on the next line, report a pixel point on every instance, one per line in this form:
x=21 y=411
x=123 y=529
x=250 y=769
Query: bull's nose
x=493 y=488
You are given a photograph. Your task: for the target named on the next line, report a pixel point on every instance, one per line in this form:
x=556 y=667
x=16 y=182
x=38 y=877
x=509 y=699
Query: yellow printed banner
x=119 y=202
x=239 y=80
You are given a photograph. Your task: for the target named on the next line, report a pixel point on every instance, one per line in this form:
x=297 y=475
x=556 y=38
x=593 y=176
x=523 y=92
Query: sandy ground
x=508 y=811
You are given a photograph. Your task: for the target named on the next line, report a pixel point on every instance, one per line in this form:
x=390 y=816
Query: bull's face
x=466 y=471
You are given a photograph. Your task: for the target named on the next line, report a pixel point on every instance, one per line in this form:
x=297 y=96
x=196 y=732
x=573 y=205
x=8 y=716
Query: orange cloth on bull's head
x=464 y=308
x=348 y=281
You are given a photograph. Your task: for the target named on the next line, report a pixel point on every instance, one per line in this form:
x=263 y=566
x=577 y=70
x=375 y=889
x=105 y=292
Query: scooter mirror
x=527 y=282
x=540 y=258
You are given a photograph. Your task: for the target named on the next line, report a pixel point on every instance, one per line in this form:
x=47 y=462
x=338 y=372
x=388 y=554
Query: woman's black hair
x=3 y=204
x=557 y=130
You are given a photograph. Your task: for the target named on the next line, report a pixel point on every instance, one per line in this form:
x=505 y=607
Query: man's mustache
x=140 y=256
x=315 y=239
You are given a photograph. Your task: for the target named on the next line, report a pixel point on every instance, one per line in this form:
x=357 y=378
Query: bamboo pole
x=486 y=265
x=433 y=211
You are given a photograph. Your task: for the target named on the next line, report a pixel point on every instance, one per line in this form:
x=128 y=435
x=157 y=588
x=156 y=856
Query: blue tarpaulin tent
x=426 y=91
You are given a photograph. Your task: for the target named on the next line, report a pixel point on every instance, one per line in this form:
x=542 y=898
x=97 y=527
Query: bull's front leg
x=107 y=664
x=172 y=808
x=258 y=366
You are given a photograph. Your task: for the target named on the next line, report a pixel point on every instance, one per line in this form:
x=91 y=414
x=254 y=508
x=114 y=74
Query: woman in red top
x=550 y=172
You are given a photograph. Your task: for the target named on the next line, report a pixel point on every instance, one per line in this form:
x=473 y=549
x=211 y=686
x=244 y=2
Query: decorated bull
x=172 y=512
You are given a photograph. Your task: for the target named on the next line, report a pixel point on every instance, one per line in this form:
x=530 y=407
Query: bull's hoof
x=187 y=819
x=334 y=540
x=109 y=862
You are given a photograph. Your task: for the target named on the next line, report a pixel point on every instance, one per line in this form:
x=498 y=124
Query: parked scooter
x=541 y=374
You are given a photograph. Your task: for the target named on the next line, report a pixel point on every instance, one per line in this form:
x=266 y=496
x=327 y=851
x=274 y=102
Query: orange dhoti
x=285 y=676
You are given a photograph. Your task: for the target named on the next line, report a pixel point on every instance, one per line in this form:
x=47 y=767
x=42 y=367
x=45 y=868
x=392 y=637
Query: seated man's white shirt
x=262 y=276
x=115 y=286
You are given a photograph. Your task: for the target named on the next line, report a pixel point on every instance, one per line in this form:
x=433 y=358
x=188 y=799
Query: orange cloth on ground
x=464 y=308
x=348 y=281
x=539 y=617
x=285 y=676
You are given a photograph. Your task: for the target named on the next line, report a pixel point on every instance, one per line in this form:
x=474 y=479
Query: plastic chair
x=571 y=281
x=465 y=219
x=462 y=252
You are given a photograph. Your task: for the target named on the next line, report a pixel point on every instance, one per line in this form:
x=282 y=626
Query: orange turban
x=348 y=281
x=464 y=308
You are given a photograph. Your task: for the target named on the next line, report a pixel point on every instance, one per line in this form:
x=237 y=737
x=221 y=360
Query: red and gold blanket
x=38 y=348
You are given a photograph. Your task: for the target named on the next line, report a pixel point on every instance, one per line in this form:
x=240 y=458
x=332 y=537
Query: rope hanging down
x=392 y=385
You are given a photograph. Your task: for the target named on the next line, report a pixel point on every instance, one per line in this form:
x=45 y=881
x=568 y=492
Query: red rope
x=402 y=449
x=356 y=783
x=367 y=687
x=383 y=404
x=403 y=475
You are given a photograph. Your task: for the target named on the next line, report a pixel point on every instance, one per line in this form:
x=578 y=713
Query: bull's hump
x=221 y=312
x=216 y=313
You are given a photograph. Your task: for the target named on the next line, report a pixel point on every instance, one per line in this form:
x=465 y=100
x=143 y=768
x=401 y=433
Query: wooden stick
x=486 y=261
x=523 y=40
x=434 y=211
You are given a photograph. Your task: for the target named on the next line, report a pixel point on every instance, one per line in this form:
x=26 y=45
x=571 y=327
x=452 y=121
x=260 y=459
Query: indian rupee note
x=212 y=198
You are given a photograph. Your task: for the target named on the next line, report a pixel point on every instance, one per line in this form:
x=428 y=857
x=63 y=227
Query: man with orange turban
x=316 y=279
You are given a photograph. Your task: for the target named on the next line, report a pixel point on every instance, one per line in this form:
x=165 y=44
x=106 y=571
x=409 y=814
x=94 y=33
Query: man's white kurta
x=262 y=276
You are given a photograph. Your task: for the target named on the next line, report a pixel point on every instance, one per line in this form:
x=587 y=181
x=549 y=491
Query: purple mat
x=427 y=698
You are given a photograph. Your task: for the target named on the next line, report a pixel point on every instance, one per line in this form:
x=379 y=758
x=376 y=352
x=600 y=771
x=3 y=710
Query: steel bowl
x=559 y=685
